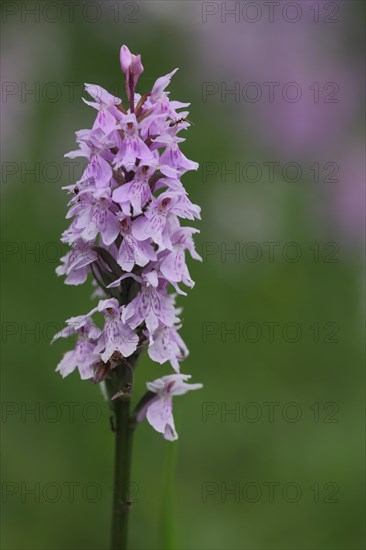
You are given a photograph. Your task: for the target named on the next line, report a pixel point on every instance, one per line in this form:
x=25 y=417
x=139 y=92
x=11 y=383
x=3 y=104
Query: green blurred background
x=219 y=495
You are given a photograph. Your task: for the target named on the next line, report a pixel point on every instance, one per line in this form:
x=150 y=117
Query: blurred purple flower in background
x=298 y=98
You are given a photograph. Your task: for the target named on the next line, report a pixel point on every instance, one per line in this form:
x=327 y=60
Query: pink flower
x=159 y=411
x=135 y=194
x=76 y=263
x=105 y=103
x=172 y=262
x=131 y=146
x=133 y=252
x=176 y=164
x=154 y=223
x=167 y=345
x=101 y=96
x=83 y=356
x=116 y=335
x=152 y=305
x=95 y=216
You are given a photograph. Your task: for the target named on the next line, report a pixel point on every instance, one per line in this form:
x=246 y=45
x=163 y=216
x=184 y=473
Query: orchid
x=168 y=346
x=126 y=235
x=159 y=410
x=84 y=355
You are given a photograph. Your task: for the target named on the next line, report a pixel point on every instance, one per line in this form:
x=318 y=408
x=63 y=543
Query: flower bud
x=131 y=64
x=136 y=67
x=125 y=58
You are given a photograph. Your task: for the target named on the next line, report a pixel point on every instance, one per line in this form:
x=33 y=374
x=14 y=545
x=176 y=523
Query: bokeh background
x=245 y=479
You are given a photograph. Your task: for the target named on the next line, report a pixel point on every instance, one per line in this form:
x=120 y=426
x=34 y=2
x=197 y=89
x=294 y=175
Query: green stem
x=124 y=429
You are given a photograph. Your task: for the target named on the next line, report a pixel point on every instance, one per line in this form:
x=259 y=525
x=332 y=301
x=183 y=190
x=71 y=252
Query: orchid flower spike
x=125 y=233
